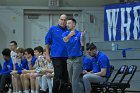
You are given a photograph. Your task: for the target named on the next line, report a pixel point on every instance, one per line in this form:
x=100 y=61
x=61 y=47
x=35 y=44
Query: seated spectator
x=13 y=47
x=48 y=76
x=19 y=64
x=35 y=73
x=100 y=69
x=39 y=73
x=30 y=58
x=7 y=68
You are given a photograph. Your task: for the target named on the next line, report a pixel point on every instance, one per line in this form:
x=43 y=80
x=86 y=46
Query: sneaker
x=41 y=91
x=10 y=90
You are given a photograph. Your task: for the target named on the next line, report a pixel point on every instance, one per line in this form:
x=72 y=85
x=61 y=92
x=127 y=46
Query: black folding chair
x=111 y=87
x=99 y=87
x=125 y=83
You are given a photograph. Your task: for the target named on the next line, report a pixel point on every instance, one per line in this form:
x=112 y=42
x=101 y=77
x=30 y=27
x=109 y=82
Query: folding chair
x=111 y=87
x=125 y=83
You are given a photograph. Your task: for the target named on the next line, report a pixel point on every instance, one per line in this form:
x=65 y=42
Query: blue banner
x=122 y=22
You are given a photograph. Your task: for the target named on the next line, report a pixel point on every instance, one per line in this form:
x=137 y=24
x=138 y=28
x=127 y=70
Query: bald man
x=57 y=52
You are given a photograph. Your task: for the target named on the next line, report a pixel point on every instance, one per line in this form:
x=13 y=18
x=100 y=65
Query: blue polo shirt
x=74 y=44
x=55 y=40
x=101 y=61
x=87 y=63
x=32 y=62
x=7 y=67
x=21 y=66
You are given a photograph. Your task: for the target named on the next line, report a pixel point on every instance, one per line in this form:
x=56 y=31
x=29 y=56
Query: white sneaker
x=10 y=90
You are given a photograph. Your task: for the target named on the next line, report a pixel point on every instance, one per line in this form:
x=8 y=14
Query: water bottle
x=113 y=46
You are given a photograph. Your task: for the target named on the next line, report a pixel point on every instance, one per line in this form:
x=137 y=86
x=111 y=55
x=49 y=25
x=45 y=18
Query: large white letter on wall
x=122 y=22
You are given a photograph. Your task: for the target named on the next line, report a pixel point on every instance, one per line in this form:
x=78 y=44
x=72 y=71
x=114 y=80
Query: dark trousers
x=4 y=79
x=60 y=75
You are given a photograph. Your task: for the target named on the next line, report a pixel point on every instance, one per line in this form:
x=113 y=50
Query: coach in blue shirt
x=72 y=38
x=100 y=69
x=7 y=68
x=56 y=50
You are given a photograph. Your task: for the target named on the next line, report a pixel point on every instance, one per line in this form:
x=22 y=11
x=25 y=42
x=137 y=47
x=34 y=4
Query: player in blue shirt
x=87 y=63
x=87 y=60
x=56 y=50
x=19 y=65
x=7 y=68
x=72 y=38
x=100 y=71
x=29 y=55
